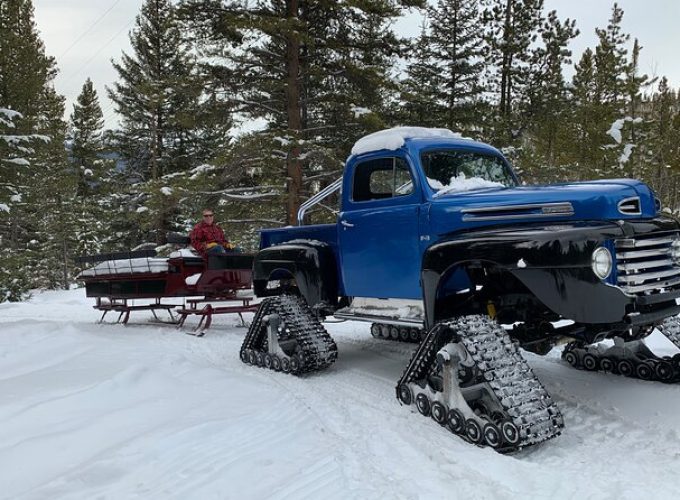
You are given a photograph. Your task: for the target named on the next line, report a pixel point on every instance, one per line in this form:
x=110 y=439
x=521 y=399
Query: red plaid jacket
x=203 y=233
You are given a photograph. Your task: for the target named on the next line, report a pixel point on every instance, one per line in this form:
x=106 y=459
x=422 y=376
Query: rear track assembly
x=630 y=359
x=286 y=336
x=469 y=376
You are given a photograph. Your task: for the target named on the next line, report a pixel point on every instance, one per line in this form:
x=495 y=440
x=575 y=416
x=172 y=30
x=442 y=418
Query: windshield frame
x=479 y=151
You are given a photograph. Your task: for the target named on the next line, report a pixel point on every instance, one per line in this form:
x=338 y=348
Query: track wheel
x=260 y=359
x=403 y=334
x=675 y=361
x=438 y=413
x=414 y=335
x=385 y=331
x=625 y=368
x=405 y=395
x=268 y=361
x=294 y=363
x=285 y=365
x=644 y=371
x=664 y=371
x=510 y=432
x=590 y=362
x=252 y=358
x=276 y=363
x=423 y=404
x=375 y=330
x=607 y=365
x=571 y=358
x=394 y=333
x=244 y=356
x=456 y=421
x=492 y=435
x=473 y=431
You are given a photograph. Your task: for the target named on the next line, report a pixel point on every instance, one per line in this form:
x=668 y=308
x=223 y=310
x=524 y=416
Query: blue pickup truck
x=438 y=242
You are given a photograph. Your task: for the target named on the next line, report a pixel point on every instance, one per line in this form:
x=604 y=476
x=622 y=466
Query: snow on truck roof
x=394 y=138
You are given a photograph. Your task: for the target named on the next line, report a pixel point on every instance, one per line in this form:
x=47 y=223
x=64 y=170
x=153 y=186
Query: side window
x=381 y=178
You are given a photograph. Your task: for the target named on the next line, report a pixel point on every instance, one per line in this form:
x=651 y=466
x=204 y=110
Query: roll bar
x=324 y=193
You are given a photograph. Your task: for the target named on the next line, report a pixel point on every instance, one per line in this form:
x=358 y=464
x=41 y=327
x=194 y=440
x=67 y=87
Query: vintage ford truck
x=438 y=242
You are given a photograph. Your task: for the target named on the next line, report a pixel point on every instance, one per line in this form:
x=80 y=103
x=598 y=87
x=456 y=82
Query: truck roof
x=421 y=137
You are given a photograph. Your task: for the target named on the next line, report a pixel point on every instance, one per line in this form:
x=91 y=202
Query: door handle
x=346 y=224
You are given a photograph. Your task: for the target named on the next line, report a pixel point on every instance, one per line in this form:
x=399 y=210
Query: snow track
x=104 y=411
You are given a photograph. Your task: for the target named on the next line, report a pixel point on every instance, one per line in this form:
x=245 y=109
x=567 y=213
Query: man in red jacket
x=207 y=237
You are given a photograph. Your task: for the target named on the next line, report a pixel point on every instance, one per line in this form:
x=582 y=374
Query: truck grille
x=645 y=264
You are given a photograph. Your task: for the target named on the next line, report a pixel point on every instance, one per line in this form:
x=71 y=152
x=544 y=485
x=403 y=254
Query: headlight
x=675 y=252
x=602 y=262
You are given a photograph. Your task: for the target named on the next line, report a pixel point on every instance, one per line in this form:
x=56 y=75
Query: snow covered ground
x=111 y=412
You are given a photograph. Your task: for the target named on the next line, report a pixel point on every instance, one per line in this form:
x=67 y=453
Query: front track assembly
x=629 y=359
x=286 y=336
x=469 y=376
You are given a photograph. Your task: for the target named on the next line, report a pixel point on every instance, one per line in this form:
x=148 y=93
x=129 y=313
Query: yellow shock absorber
x=491 y=310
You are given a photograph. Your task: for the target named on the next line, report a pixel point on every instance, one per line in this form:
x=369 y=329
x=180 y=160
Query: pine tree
x=29 y=237
x=547 y=115
x=512 y=28
x=586 y=135
x=317 y=72
x=456 y=41
x=663 y=145
x=86 y=131
x=154 y=92
x=419 y=90
x=160 y=98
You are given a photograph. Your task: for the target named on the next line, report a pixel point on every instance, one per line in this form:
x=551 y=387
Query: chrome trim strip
x=638 y=254
x=651 y=286
x=564 y=209
x=636 y=266
x=631 y=243
x=642 y=277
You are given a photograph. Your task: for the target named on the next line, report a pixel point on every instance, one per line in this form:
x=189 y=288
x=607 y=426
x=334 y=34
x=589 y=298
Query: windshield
x=451 y=170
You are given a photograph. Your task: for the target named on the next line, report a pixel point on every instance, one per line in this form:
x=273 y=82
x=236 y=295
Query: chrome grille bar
x=645 y=264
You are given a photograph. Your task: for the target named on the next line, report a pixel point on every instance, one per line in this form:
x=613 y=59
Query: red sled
x=115 y=279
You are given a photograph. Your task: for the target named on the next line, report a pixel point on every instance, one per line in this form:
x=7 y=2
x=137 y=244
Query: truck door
x=378 y=230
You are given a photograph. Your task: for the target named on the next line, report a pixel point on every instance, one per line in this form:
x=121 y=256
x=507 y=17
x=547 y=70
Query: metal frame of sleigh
x=219 y=285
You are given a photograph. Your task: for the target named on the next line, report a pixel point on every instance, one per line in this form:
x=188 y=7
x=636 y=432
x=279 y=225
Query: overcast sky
x=84 y=35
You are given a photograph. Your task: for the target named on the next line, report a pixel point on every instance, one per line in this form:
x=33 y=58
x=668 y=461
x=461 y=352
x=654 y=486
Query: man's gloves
x=227 y=245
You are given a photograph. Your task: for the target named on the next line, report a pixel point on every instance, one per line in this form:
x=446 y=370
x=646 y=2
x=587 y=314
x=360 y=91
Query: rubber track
x=666 y=369
x=316 y=348
x=521 y=394
x=670 y=327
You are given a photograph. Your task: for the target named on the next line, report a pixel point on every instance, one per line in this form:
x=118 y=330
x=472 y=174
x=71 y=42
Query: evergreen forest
x=251 y=106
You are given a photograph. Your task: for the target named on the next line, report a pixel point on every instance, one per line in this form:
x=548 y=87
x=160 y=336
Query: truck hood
x=616 y=199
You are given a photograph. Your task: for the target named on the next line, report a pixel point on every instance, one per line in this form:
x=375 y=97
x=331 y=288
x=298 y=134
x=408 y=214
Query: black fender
x=552 y=261
x=311 y=264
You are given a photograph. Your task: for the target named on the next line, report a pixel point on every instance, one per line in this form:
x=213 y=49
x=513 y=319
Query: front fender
x=311 y=265
x=553 y=262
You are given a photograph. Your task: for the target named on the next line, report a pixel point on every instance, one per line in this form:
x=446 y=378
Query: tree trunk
x=293 y=163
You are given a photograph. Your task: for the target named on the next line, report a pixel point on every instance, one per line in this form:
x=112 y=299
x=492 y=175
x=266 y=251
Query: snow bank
x=461 y=183
x=394 y=138
x=166 y=191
